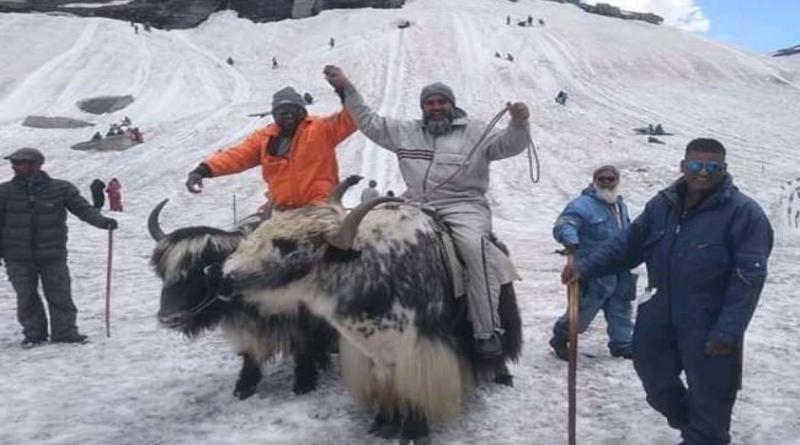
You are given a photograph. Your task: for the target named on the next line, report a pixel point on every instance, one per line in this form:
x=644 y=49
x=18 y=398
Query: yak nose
x=173 y=319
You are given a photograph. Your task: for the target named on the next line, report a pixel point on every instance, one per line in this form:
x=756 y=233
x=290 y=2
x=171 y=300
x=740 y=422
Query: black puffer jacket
x=33 y=217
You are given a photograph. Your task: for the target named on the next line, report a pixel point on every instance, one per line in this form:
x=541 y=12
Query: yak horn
x=344 y=237
x=152 y=222
x=339 y=191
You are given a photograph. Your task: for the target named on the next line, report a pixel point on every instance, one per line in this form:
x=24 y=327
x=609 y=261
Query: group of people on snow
x=371 y=192
x=113 y=190
x=125 y=127
x=705 y=243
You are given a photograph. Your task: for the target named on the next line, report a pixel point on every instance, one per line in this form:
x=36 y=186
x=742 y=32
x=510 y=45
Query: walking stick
x=108 y=282
x=573 y=297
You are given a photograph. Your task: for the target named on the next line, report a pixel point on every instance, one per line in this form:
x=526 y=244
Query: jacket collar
x=39 y=178
x=676 y=192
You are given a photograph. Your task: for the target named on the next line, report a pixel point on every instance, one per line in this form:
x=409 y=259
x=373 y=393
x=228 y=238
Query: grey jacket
x=33 y=217
x=426 y=161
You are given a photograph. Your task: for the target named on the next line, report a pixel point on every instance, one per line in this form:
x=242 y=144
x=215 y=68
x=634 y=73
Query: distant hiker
x=126 y=121
x=530 y=21
x=390 y=193
x=274 y=63
x=114 y=192
x=308 y=98
x=561 y=98
x=146 y=26
x=706 y=246
x=509 y=57
x=332 y=42
x=370 y=192
x=296 y=154
x=541 y=22
x=508 y=20
x=135 y=29
x=229 y=60
x=462 y=204
x=98 y=197
x=97 y=136
x=136 y=135
x=33 y=244
x=596 y=216
x=497 y=54
x=659 y=130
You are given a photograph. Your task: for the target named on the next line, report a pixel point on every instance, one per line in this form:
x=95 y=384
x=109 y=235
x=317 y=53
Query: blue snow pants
x=701 y=409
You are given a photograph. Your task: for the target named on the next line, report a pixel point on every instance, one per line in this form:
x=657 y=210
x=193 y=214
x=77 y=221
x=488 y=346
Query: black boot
x=560 y=348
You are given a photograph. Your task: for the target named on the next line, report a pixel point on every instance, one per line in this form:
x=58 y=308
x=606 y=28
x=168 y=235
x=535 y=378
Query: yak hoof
x=243 y=391
x=300 y=388
x=504 y=379
x=385 y=428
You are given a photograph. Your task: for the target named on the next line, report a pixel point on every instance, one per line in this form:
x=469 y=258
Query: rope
x=531 y=149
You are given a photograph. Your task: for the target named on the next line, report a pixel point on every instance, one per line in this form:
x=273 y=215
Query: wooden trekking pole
x=573 y=300
x=108 y=282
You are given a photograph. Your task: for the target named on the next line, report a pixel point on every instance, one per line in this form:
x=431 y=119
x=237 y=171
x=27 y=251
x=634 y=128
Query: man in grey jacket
x=33 y=243
x=442 y=171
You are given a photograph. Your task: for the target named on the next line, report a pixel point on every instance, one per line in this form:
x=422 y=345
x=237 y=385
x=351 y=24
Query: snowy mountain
x=146 y=385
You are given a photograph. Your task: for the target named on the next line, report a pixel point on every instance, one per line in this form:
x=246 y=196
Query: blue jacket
x=706 y=268
x=588 y=222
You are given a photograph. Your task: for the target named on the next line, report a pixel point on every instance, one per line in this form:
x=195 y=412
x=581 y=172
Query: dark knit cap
x=606 y=168
x=288 y=96
x=437 y=88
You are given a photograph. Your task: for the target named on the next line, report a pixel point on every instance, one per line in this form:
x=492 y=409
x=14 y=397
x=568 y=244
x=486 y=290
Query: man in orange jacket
x=296 y=153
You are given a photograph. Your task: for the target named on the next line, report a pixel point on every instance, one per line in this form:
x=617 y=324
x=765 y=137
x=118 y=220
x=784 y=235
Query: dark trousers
x=702 y=408
x=24 y=277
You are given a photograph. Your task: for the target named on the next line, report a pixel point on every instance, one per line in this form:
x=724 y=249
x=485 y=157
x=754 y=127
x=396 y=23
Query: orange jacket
x=307 y=173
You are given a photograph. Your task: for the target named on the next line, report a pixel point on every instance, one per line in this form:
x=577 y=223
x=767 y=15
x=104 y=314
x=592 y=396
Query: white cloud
x=683 y=14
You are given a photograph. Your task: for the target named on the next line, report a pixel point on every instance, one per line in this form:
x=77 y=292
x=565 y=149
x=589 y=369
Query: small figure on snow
x=229 y=61
x=331 y=42
x=114 y=192
x=371 y=192
x=274 y=62
x=509 y=57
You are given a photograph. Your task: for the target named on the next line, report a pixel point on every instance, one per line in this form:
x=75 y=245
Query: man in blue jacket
x=586 y=223
x=706 y=247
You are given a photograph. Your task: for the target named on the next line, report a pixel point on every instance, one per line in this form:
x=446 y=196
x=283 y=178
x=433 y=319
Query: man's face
x=703 y=171
x=26 y=169
x=606 y=180
x=288 y=117
x=437 y=107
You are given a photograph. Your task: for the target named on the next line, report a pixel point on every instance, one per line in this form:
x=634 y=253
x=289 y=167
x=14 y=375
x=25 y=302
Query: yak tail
x=428 y=376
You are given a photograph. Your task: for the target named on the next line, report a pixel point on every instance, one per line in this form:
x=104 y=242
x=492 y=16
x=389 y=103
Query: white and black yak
x=183 y=258
x=378 y=275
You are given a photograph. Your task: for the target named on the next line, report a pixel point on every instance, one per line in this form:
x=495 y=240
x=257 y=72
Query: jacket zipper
x=430 y=164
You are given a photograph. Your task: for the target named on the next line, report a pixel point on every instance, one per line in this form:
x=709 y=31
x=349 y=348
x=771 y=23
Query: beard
x=438 y=125
x=608 y=196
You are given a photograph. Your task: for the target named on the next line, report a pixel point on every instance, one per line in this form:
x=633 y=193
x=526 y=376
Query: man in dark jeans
x=33 y=243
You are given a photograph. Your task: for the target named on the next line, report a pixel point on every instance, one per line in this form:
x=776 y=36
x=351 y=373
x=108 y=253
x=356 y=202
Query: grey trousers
x=24 y=277
x=471 y=225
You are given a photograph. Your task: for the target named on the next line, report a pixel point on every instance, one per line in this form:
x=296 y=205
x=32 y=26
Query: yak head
x=189 y=262
x=288 y=247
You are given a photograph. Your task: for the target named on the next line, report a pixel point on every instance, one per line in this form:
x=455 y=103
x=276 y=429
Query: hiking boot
x=489 y=348
x=74 y=338
x=625 y=352
x=560 y=348
x=32 y=342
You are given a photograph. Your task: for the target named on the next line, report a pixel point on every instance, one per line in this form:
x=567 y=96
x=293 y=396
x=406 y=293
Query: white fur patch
x=177 y=253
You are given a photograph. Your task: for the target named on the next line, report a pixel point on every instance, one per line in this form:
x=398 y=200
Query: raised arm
x=513 y=139
x=381 y=130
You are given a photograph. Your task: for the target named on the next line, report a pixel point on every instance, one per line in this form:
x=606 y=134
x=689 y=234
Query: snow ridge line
x=10 y=108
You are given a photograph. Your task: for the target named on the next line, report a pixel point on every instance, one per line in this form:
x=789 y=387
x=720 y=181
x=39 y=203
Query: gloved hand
x=570 y=273
x=111 y=224
x=194 y=182
x=519 y=113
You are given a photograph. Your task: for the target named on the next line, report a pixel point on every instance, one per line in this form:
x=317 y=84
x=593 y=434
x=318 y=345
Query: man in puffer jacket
x=296 y=153
x=706 y=247
x=33 y=243
x=588 y=221
x=434 y=158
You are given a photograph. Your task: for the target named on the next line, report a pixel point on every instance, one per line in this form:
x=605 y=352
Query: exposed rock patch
x=105 y=104
x=54 y=122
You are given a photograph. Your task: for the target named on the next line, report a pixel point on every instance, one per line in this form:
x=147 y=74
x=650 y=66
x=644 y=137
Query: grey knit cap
x=437 y=88
x=26 y=154
x=288 y=96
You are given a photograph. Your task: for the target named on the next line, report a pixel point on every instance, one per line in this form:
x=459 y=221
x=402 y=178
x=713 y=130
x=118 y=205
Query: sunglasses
x=606 y=179
x=695 y=166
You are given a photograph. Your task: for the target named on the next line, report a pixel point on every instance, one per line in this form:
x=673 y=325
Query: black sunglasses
x=695 y=166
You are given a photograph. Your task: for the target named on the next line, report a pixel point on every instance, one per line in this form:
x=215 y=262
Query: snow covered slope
x=146 y=385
